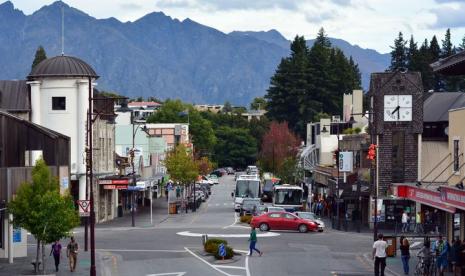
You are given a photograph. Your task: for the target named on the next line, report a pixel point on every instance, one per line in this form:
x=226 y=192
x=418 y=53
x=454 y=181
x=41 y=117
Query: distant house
x=214 y=108
x=251 y=114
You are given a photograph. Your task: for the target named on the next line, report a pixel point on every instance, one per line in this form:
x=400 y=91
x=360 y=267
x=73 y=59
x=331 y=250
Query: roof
x=436 y=107
x=14 y=95
x=143 y=104
x=62 y=66
x=452 y=65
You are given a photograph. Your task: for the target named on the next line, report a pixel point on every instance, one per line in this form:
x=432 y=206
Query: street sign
x=346 y=161
x=84 y=208
x=221 y=250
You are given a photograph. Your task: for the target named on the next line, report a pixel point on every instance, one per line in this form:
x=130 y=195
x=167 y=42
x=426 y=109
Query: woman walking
x=56 y=251
x=253 y=241
x=405 y=254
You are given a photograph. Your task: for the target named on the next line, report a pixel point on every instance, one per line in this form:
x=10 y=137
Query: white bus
x=289 y=197
x=247 y=186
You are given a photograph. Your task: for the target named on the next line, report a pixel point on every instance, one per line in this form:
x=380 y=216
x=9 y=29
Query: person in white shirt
x=405 y=222
x=379 y=255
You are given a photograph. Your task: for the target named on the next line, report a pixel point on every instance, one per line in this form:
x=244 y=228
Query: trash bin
x=173 y=208
x=120 y=211
x=392 y=246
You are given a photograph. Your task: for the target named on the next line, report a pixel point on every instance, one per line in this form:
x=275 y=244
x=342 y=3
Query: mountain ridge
x=155 y=55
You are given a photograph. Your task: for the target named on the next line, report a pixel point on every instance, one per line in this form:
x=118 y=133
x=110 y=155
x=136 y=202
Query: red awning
x=454 y=197
x=424 y=196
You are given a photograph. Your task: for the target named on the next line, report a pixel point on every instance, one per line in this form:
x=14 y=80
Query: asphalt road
x=173 y=247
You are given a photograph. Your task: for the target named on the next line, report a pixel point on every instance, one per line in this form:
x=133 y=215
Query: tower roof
x=62 y=66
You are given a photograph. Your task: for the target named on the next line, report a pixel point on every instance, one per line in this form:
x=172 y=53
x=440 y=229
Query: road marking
x=170 y=273
x=217 y=204
x=142 y=250
x=264 y=235
x=210 y=265
x=230 y=266
x=247 y=271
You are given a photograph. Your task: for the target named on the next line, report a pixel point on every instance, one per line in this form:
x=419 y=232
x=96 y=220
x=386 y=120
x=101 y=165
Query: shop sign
x=428 y=197
x=453 y=197
x=113 y=181
x=115 y=187
x=346 y=161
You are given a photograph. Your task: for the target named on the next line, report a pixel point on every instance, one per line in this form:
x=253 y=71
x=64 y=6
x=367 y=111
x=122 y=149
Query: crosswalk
x=221 y=204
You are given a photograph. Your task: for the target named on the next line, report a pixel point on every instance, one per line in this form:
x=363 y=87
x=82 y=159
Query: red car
x=282 y=221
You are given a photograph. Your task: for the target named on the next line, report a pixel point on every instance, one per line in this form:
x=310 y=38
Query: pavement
x=172 y=245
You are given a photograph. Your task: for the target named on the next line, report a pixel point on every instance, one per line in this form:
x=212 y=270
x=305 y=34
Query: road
x=173 y=247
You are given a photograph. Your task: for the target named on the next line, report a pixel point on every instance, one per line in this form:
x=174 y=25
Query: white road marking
x=170 y=273
x=210 y=265
x=247 y=270
x=241 y=251
x=264 y=235
x=142 y=250
x=229 y=267
x=217 y=204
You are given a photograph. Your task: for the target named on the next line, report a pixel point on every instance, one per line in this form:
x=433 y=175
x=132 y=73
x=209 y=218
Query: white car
x=213 y=178
x=274 y=209
x=311 y=216
x=204 y=180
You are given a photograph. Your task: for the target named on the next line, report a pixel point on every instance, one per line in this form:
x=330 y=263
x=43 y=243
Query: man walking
x=71 y=253
x=253 y=242
x=56 y=251
x=379 y=255
x=404 y=222
x=419 y=224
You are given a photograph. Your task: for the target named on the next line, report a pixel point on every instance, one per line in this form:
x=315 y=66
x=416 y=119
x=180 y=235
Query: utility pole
x=91 y=178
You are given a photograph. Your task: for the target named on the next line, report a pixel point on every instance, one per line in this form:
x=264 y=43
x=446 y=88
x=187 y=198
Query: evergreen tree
x=435 y=52
x=462 y=45
x=412 y=55
x=39 y=56
x=449 y=83
x=399 y=53
x=447 y=47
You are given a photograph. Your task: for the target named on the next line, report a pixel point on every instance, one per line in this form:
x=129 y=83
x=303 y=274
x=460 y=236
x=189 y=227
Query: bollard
x=204 y=239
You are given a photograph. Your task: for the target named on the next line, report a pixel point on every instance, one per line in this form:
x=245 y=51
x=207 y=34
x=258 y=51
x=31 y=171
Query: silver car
x=311 y=216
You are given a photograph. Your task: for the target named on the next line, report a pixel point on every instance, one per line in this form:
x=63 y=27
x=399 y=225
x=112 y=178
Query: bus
x=247 y=186
x=289 y=197
x=268 y=183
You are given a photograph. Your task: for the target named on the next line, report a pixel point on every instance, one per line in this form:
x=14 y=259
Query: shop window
x=456 y=156
x=58 y=103
x=398 y=142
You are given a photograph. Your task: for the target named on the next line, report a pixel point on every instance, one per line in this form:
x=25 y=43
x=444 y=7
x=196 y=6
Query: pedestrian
x=419 y=224
x=441 y=248
x=405 y=254
x=425 y=253
x=178 y=191
x=428 y=221
x=253 y=242
x=404 y=222
x=379 y=255
x=454 y=254
x=435 y=219
x=71 y=253
x=56 y=251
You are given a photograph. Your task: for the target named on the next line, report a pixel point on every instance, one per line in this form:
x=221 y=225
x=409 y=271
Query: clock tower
x=397 y=125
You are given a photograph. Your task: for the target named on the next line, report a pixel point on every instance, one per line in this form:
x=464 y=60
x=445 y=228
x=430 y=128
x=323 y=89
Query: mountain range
x=157 y=55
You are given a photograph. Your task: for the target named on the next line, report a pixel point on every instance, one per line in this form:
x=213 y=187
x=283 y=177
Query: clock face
x=405 y=100
x=391 y=101
x=405 y=114
x=390 y=114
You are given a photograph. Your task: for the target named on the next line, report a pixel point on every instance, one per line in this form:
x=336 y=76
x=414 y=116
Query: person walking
x=379 y=255
x=56 y=251
x=419 y=224
x=71 y=253
x=454 y=255
x=253 y=242
x=404 y=221
x=441 y=248
x=405 y=254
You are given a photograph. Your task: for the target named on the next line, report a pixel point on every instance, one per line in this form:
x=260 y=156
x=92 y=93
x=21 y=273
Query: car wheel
x=320 y=230
x=303 y=228
x=264 y=227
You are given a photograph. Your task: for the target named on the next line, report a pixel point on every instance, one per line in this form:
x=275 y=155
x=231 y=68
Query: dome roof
x=62 y=66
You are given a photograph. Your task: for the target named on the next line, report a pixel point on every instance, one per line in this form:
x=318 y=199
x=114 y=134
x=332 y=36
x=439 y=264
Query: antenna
x=62 y=30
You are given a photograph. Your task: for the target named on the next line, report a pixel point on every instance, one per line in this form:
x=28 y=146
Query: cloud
x=225 y=5
x=449 y=17
x=320 y=16
x=130 y=6
x=342 y=2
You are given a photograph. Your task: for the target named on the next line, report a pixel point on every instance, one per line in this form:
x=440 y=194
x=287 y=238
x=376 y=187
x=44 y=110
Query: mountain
x=155 y=55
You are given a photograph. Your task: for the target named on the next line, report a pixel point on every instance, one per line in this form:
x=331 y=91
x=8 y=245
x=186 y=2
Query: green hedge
x=246 y=219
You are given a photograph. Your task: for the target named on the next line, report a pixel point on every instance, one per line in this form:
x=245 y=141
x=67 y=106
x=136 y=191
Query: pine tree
x=412 y=55
x=447 y=47
x=435 y=52
x=39 y=56
x=322 y=39
x=399 y=53
x=462 y=45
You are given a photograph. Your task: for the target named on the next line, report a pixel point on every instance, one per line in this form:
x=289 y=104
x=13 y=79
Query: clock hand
x=396 y=110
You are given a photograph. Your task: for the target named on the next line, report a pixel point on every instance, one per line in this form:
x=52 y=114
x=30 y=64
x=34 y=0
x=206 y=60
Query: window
x=274 y=215
x=288 y=216
x=456 y=156
x=398 y=141
x=58 y=103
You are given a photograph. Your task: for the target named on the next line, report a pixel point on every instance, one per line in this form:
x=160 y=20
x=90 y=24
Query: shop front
x=117 y=186
x=456 y=198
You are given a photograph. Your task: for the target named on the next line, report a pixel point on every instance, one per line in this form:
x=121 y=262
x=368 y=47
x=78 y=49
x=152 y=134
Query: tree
x=462 y=44
x=227 y=107
x=39 y=208
x=205 y=165
x=258 y=128
x=398 y=53
x=39 y=56
x=447 y=48
x=412 y=55
x=235 y=147
x=278 y=144
x=258 y=103
x=180 y=165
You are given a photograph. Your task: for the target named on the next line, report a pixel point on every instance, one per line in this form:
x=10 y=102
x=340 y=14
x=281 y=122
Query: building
x=141 y=111
x=25 y=139
x=253 y=114
x=214 y=108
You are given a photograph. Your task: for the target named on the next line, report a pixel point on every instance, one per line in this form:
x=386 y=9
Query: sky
x=368 y=23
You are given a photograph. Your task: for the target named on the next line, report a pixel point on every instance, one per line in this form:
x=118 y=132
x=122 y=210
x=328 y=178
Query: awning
x=453 y=196
x=424 y=196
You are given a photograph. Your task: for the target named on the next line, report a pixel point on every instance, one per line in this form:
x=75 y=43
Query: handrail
x=461 y=166
x=444 y=159
x=443 y=171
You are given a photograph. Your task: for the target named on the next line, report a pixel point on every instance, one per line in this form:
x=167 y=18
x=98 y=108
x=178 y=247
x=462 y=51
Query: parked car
x=200 y=194
x=230 y=170
x=282 y=221
x=219 y=172
x=311 y=216
x=252 y=170
x=204 y=180
x=274 y=209
x=213 y=178
x=206 y=188
x=250 y=206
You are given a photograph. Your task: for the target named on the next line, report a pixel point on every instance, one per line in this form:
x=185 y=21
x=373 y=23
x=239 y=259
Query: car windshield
x=307 y=216
x=288 y=197
x=247 y=188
